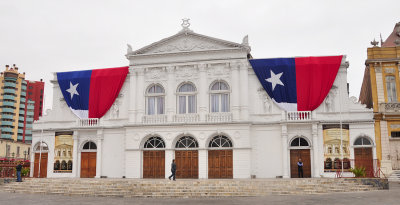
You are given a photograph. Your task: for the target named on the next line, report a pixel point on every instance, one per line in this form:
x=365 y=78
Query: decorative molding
x=187 y=72
x=155 y=74
x=219 y=70
x=395 y=126
x=390 y=70
x=378 y=69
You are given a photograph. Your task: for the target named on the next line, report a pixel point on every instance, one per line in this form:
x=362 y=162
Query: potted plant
x=358 y=171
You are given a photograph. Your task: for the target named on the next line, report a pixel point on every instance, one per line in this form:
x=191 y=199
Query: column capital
x=100 y=135
x=75 y=135
x=202 y=67
x=284 y=130
x=170 y=69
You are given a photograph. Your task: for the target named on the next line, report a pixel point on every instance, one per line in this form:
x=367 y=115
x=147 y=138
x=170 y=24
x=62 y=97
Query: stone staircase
x=395 y=176
x=183 y=188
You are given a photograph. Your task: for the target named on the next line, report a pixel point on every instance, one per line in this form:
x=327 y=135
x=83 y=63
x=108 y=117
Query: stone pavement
x=386 y=197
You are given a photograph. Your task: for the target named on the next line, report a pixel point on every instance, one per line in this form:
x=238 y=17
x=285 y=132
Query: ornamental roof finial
x=185 y=25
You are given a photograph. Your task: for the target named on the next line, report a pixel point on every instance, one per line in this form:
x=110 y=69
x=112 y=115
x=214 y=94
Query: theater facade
x=196 y=99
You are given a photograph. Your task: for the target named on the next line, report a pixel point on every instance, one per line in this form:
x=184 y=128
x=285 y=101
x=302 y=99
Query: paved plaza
x=386 y=197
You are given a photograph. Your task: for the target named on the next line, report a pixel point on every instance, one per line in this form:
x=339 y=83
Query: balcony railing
x=219 y=117
x=389 y=107
x=194 y=117
x=298 y=115
x=154 y=119
x=90 y=122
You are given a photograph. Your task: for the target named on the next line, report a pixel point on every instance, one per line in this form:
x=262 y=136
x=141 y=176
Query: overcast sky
x=43 y=37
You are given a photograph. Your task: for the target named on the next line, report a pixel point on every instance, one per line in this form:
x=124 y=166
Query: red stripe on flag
x=105 y=85
x=314 y=79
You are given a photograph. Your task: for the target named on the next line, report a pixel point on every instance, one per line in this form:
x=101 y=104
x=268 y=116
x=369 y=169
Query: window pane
x=187 y=88
x=192 y=104
x=295 y=143
x=182 y=104
x=303 y=142
x=160 y=105
x=223 y=86
x=151 y=106
x=224 y=103
x=214 y=103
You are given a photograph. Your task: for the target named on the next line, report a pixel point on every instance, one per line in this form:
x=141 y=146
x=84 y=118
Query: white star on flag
x=275 y=79
x=72 y=89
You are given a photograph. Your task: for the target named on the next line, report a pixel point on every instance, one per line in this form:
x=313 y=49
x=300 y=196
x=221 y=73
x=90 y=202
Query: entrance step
x=183 y=188
x=395 y=176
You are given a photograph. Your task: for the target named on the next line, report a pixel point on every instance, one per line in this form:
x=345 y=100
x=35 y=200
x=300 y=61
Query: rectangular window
x=395 y=134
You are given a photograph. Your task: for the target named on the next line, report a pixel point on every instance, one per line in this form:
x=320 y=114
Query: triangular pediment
x=187 y=42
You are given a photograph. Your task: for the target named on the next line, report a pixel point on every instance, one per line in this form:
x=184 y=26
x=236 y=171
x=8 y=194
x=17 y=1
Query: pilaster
x=315 y=150
x=285 y=161
x=235 y=91
x=244 y=89
x=75 y=155
x=171 y=98
x=140 y=98
x=132 y=95
x=203 y=89
x=100 y=138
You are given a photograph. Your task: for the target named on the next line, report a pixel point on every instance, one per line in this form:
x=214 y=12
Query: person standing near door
x=300 y=168
x=19 y=168
x=173 y=170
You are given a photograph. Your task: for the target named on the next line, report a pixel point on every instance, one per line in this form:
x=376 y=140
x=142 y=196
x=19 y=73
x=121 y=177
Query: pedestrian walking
x=173 y=170
x=19 y=168
x=300 y=168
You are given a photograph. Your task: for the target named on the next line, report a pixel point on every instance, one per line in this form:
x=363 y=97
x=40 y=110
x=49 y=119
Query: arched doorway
x=220 y=158
x=363 y=155
x=40 y=162
x=186 y=158
x=300 y=149
x=88 y=160
x=154 y=158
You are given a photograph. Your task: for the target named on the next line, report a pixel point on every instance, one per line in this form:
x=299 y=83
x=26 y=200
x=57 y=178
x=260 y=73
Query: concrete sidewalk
x=387 y=197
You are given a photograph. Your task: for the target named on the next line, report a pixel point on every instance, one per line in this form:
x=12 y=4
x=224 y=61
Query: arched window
x=155 y=100
x=57 y=165
x=219 y=97
x=220 y=142
x=43 y=147
x=90 y=145
x=186 y=142
x=299 y=142
x=362 y=141
x=63 y=165
x=186 y=99
x=69 y=165
x=328 y=163
x=154 y=142
x=391 y=88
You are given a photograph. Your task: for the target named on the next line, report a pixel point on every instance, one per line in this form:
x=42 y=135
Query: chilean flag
x=91 y=93
x=297 y=84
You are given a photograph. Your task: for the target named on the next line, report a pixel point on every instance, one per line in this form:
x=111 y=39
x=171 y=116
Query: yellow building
x=15 y=115
x=380 y=90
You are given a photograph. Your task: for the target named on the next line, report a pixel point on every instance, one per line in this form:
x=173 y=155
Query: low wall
x=375 y=182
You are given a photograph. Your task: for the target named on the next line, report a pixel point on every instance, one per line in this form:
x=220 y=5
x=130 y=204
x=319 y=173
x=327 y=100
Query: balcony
x=297 y=116
x=219 y=117
x=389 y=107
x=90 y=122
x=187 y=118
x=154 y=119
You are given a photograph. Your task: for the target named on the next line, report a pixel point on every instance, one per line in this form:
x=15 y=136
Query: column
x=244 y=89
x=315 y=150
x=100 y=138
x=169 y=155
x=75 y=160
x=132 y=95
x=202 y=92
x=170 y=94
x=235 y=91
x=285 y=161
x=140 y=98
x=203 y=164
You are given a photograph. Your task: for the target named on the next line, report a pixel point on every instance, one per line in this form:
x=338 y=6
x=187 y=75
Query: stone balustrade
x=90 y=122
x=298 y=116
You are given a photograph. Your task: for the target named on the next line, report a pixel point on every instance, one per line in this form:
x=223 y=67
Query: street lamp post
x=25 y=152
x=13 y=155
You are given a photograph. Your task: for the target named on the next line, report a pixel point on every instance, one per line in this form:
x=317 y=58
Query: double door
x=220 y=164
x=304 y=155
x=187 y=164
x=363 y=158
x=40 y=161
x=154 y=164
x=88 y=164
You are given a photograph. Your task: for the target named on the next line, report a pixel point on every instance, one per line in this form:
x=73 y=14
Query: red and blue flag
x=91 y=93
x=297 y=84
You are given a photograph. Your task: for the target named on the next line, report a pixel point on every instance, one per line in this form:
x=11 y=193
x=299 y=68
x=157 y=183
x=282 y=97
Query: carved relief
x=236 y=135
x=187 y=72
x=267 y=102
x=394 y=126
x=155 y=74
x=329 y=100
x=202 y=136
x=114 y=110
x=389 y=70
x=219 y=70
x=186 y=44
x=378 y=70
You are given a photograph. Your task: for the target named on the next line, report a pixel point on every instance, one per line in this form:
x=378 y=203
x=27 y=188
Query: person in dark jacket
x=19 y=168
x=173 y=170
x=300 y=168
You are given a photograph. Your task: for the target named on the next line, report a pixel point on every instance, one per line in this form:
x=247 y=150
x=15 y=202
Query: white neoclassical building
x=196 y=99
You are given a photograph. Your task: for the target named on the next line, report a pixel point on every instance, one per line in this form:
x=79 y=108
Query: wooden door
x=304 y=155
x=187 y=164
x=43 y=166
x=88 y=164
x=154 y=164
x=220 y=164
x=363 y=158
